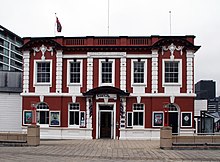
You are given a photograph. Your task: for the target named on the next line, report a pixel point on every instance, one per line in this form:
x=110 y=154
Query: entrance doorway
x=173 y=121
x=106 y=121
x=105 y=124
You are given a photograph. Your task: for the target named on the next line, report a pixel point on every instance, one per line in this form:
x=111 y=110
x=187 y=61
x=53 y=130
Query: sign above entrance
x=104 y=95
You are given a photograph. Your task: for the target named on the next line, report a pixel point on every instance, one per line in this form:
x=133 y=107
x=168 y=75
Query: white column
x=123 y=73
x=189 y=70
x=89 y=73
x=88 y=118
x=122 y=117
x=89 y=86
x=154 y=72
x=26 y=58
x=59 y=65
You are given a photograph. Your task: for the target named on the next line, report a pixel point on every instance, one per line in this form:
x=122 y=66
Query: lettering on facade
x=109 y=96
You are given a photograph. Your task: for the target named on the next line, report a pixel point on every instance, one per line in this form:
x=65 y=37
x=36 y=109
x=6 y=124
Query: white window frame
x=138 y=126
x=145 y=72
x=100 y=72
x=50 y=119
x=80 y=115
x=179 y=73
x=154 y=112
x=190 y=120
x=35 y=72
x=68 y=72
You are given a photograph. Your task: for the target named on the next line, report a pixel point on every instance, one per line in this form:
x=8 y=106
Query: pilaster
x=26 y=59
x=154 y=72
x=59 y=65
x=189 y=70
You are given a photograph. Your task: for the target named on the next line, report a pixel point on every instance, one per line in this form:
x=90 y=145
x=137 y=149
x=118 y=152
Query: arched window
x=42 y=113
x=171 y=107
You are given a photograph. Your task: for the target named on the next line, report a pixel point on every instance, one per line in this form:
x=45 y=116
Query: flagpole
x=170 y=21
x=108 y=17
x=55 y=24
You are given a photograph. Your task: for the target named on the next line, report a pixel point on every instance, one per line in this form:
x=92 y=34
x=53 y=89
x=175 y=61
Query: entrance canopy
x=106 y=90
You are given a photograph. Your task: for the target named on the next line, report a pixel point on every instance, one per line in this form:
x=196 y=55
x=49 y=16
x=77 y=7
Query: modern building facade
x=108 y=87
x=205 y=89
x=10 y=56
x=10 y=101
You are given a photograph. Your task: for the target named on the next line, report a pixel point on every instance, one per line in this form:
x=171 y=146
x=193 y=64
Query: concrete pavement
x=103 y=150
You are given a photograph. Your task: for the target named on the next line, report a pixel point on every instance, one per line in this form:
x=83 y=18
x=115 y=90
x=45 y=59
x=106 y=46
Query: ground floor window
x=74 y=114
x=136 y=118
x=76 y=117
x=42 y=113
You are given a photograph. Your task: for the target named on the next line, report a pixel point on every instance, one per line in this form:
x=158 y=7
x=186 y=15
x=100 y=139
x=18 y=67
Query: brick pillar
x=33 y=135
x=166 y=137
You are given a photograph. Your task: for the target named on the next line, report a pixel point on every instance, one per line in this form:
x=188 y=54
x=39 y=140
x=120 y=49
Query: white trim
x=26 y=65
x=145 y=73
x=131 y=94
x=50 y=119
x=59 y=71
x=153 y=112
x=89 y=73
x=81 y=56
x=184 y=112
x=135 y=56
x=106 y=54
x=68 y=73
x=154 y=71
x=179 y=73
x=35 y=73
x=98 y=116
x=113 y=73
x=123 y=71
x=189 y=70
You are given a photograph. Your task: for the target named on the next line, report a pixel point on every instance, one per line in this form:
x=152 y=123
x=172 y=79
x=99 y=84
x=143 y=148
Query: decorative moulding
x=43 y=49
x=172 y=48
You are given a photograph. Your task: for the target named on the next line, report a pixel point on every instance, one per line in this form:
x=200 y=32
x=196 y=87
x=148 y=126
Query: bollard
x=33 y=135
x=166 y=137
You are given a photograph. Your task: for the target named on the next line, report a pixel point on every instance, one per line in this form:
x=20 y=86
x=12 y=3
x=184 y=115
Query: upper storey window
x=138 y=72
x=75 y=72
x=171 y=71
x=43 y=72
x=106 y=72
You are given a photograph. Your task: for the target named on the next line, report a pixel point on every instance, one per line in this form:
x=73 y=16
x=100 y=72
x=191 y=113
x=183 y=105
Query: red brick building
x=109 y=87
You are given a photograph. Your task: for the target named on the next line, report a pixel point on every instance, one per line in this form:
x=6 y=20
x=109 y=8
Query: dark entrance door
x=105 y=124
x=173 y=121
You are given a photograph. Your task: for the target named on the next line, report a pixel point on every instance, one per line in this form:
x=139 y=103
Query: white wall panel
x=10 y=112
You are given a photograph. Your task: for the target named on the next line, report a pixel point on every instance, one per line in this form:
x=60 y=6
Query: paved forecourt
x=103 y=150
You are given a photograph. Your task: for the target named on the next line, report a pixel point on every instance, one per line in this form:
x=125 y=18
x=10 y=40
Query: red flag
x=59 y=27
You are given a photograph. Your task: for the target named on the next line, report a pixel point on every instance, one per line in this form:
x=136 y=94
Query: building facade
x=205 y=89
x=108 y=87
x=10 y=101
x=10 y=56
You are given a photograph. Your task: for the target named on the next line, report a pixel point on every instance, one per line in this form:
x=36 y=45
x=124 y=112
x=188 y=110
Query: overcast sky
x=36 y=18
